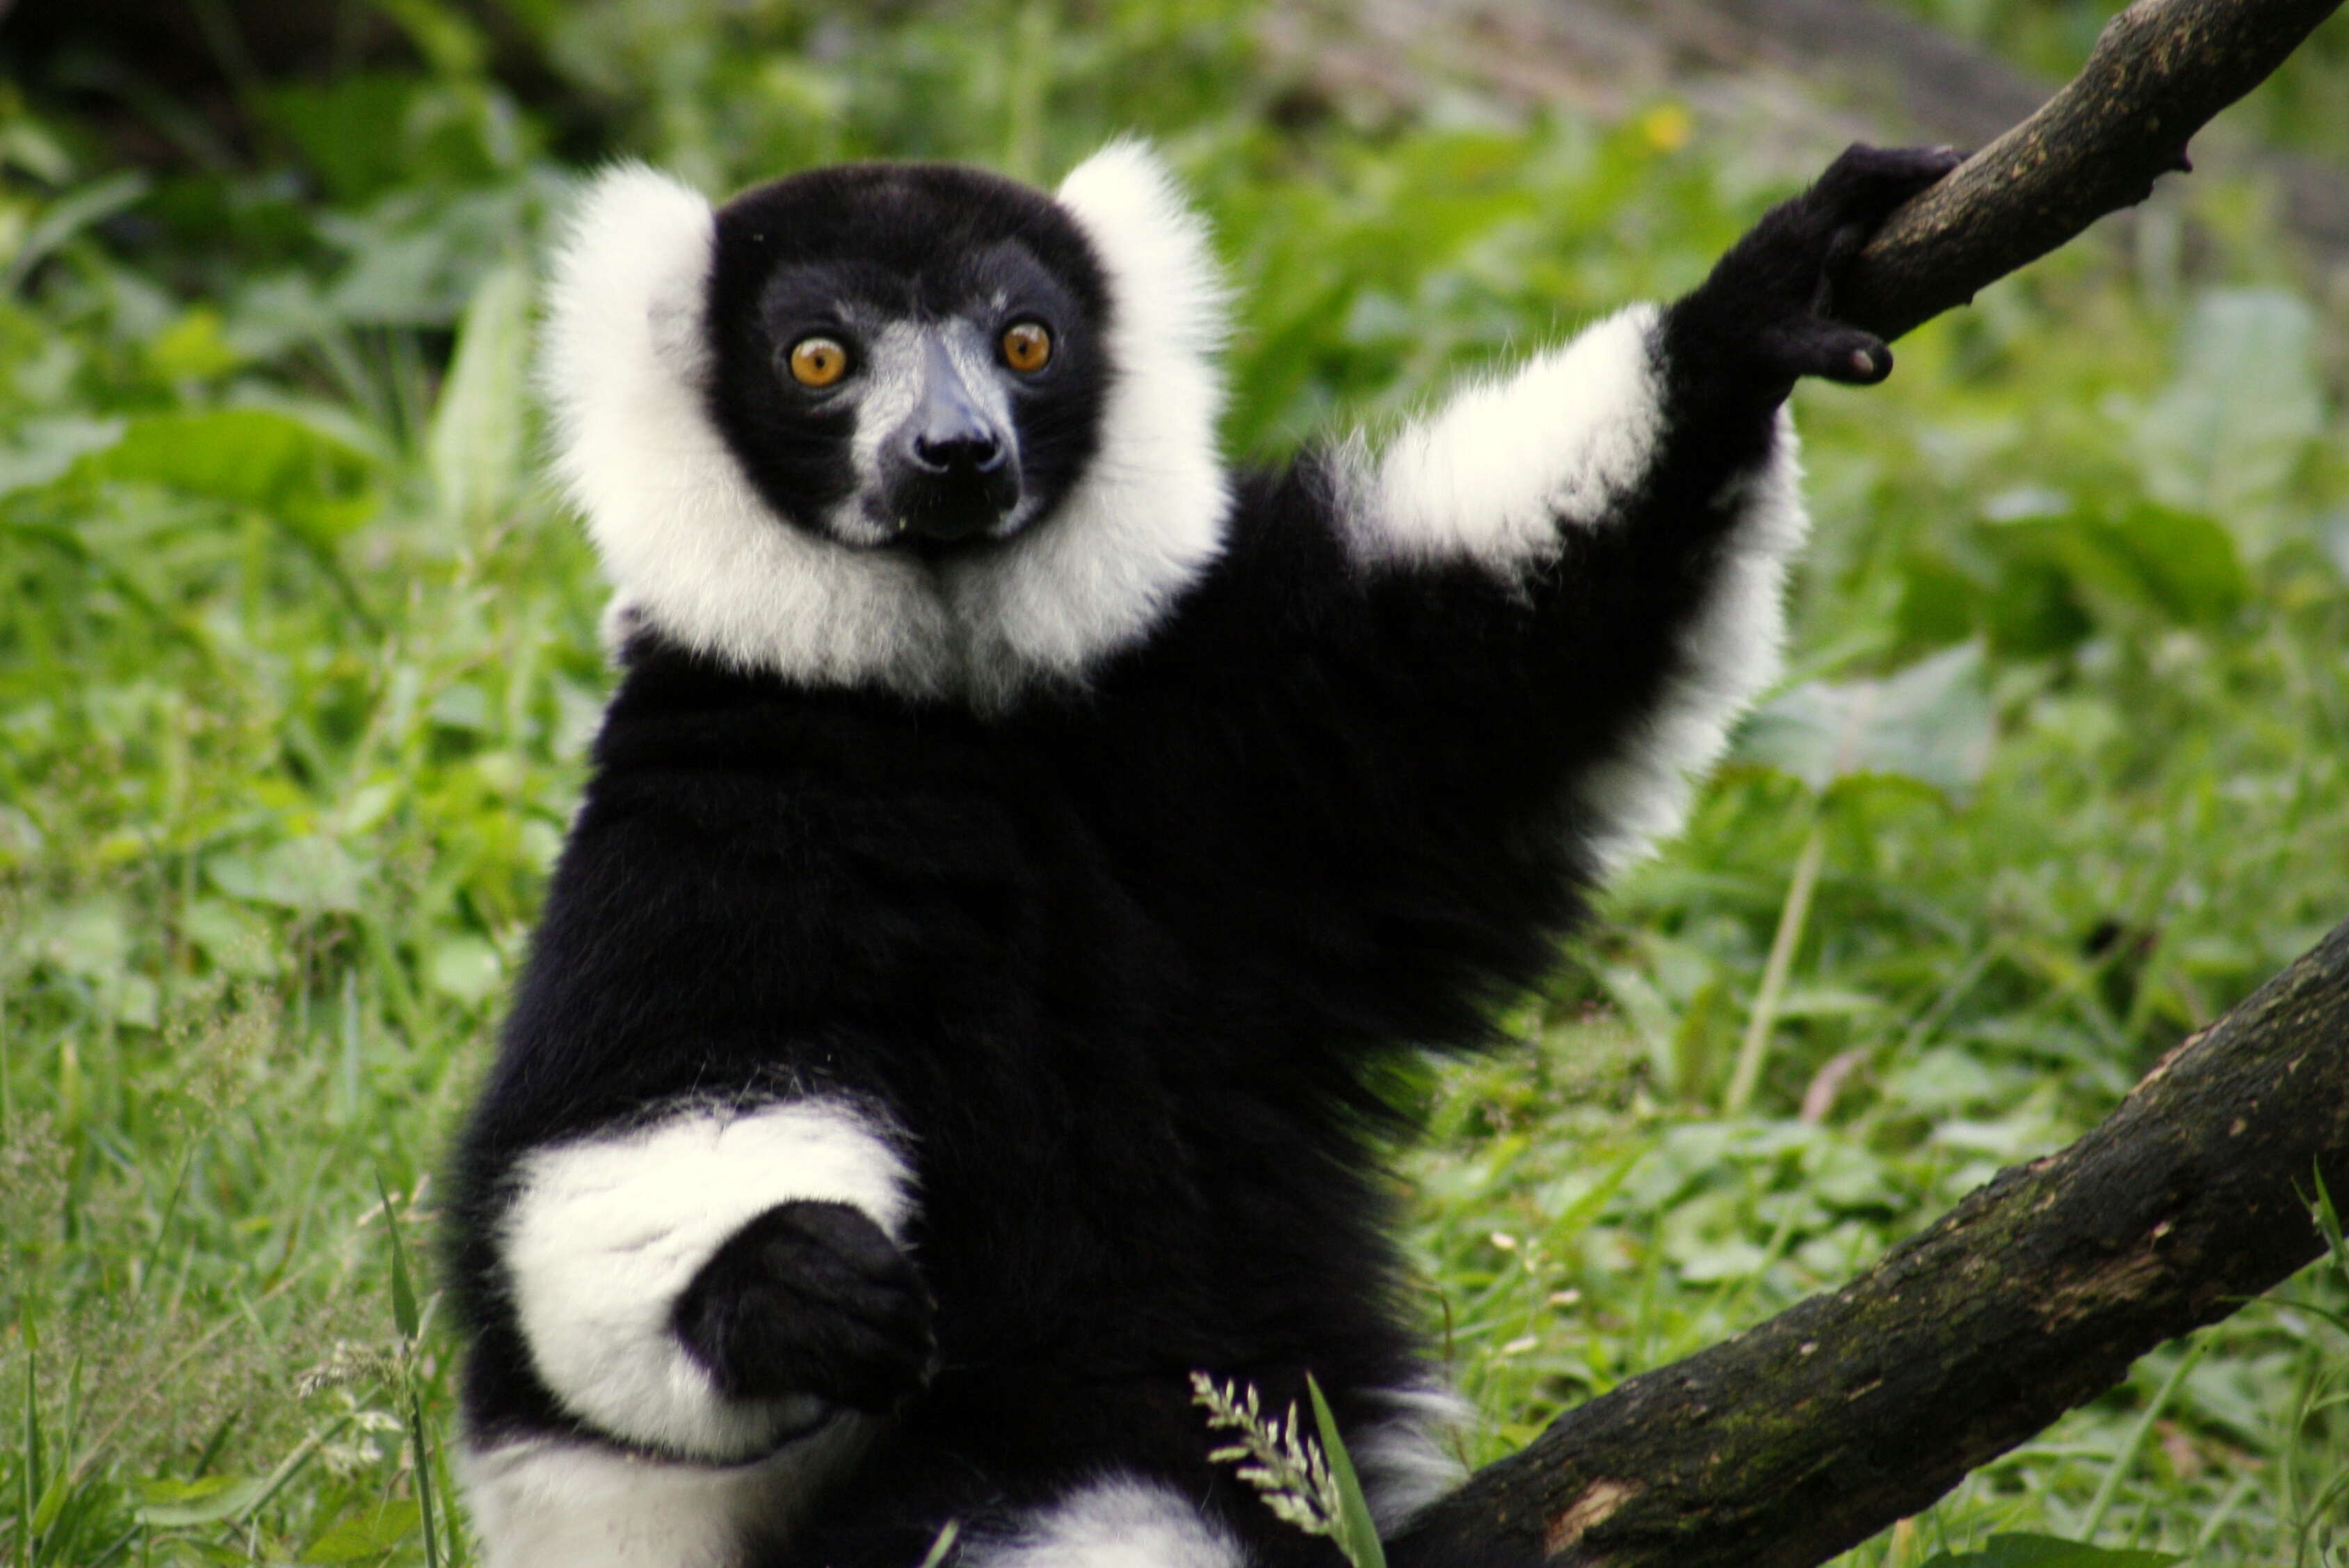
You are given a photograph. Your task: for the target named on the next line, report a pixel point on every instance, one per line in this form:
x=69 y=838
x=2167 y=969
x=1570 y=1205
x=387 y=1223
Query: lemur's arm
x=671 y=1236
x=1600 y=538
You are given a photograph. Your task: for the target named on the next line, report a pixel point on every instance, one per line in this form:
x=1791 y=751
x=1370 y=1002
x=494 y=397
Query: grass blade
x=403 y=1294
x=1358 y=1533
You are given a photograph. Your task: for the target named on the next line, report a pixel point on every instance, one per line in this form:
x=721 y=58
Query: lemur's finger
x=1829 y=350
x=1865 y=183
x=1846 y=243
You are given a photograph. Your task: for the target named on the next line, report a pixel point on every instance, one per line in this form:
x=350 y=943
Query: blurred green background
x=297 y=661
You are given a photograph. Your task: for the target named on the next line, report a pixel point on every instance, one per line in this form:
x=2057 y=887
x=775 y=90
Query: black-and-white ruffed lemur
x=1018 y=839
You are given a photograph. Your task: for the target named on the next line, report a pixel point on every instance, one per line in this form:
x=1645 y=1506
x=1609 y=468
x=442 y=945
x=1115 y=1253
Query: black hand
x=810 y=1298
x=1766 y=315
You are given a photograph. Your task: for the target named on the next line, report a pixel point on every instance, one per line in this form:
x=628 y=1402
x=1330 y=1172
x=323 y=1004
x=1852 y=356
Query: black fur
x=1125 y=961
x=810 y=1298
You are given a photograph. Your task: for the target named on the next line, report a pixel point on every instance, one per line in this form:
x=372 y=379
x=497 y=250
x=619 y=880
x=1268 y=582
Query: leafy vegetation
x=297 y=662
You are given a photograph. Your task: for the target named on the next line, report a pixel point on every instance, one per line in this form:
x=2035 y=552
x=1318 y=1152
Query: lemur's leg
x=709 y=1308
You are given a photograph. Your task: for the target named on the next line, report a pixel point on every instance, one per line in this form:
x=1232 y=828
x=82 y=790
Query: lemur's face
x=907 y=357
x=899 y=425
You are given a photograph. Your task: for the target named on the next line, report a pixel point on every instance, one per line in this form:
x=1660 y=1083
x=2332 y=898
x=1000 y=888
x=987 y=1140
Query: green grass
x=297 y=662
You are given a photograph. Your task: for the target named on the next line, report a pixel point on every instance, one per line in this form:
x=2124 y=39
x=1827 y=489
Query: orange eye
x=818 y=361
x=1026 y=346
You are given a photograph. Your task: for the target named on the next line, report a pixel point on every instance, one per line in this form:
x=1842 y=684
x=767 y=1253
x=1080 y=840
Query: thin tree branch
x=2158 y=73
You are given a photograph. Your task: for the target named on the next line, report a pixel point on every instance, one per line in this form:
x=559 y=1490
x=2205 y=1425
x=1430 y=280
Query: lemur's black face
x=906 y=356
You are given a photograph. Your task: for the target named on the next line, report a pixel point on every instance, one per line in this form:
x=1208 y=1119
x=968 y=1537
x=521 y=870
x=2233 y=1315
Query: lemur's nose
x=951 y=437
x=956 y=448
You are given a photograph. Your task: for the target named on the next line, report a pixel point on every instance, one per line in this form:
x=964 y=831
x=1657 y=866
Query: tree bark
x=2161 y=69
x=1806 y=1435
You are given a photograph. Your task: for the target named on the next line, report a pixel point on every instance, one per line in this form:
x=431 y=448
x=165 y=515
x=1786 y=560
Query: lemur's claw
x=810 y=1298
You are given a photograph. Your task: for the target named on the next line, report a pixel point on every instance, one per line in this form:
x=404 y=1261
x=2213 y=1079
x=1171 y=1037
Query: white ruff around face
x=693 y=550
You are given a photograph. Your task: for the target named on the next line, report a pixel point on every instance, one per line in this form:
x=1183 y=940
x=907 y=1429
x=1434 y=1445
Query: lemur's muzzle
x=953 y=472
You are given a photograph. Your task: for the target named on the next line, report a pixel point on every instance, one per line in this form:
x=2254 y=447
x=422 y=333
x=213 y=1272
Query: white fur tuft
x=1492 y=475
x=545 y=1503
x=604 y=1234
x=1730 y=653
x=1405 y=1460
x=692 y=548
x=685 y=538
x=1113 y=1523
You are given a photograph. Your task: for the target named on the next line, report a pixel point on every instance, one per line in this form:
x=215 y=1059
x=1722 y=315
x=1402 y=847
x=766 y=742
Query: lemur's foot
x=1767 y=311
x=810 y=1298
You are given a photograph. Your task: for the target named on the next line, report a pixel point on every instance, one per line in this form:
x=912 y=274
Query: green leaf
x=403 y=1295
x=2046 y=1552
x=2060 y=577
x=52 y=1504
x=236 y=942
x=467 y=969
x=1358 y=1535
x=943 y=1544
x=259 y=457
x=1930 y=724
x=44 y=450
x=476 y=444
x=91 y=940
x=462 y=705
x=442 y=34
x=2328 y=1220
x=313 y=875
x=65 y=217
x=2184 y=564
x=2244 y=408
x=178 y=1505
x=349 y=128
x=193 y=348
x=371 y=1533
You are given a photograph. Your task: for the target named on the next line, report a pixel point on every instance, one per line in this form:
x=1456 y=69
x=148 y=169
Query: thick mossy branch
x=2159 y=72
x=1806 y=1435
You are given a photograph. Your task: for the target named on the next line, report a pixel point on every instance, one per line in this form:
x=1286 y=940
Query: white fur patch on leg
x=1116 y=1523
x=606 y=1233
x=546 y=1503
x=1405 y=1460
x=1506 y=463
x=1730 y=653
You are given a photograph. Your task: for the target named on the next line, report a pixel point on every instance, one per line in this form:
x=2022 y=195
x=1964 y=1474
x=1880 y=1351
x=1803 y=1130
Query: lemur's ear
x=623 y=351
x=1164 y=286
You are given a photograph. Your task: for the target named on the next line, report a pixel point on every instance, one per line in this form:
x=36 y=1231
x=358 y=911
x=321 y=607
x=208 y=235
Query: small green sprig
x=1306 y=1483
